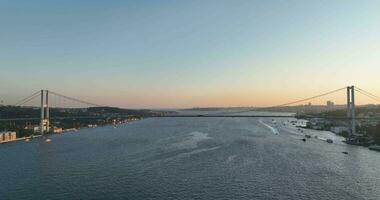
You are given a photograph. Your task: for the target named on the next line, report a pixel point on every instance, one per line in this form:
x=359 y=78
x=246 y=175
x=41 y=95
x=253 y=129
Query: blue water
x=188 y=158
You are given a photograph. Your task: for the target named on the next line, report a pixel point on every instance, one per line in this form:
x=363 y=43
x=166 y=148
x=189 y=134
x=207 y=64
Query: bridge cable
x=286 y=104
x=75 y=100
x=27 y=99
x=368 y=94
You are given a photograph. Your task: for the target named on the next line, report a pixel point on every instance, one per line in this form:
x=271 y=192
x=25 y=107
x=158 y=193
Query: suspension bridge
x=48 y=100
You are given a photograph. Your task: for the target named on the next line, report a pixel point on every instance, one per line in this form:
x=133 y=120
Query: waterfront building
x=37 y=129
x=302 y=123
x=7 y=136
x=57 y=130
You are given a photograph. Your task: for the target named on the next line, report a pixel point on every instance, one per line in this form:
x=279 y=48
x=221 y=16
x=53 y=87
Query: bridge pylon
x=45 y=122
x=351 y=108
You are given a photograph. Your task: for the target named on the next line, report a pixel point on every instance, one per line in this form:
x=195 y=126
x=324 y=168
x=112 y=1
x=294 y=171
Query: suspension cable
x=367 y=94
x=75 y=100
x=27 y=99
x=286 y=104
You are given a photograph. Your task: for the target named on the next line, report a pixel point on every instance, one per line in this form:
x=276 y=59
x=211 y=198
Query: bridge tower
x=47 y=118
x=44 y=124
x=42 y=113
x=351 y=108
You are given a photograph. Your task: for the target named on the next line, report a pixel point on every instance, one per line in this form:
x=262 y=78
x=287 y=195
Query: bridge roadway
x=197 y=115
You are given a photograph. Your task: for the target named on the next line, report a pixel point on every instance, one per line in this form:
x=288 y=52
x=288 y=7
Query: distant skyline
x=172 y=54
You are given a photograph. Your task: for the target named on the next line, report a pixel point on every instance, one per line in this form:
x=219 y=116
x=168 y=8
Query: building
x=57 y=130
x=302 y=123
x=7 y=136
x=36 y=128
x=330 y=104
x=13 y=136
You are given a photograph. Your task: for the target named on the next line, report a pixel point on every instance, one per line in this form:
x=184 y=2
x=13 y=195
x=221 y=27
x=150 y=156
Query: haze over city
x=171 y=54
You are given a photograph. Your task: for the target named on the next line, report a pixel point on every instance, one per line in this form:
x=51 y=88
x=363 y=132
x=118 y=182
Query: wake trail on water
x=272 y=129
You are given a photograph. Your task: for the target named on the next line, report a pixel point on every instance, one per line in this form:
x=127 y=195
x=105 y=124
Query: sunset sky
x=170 y=54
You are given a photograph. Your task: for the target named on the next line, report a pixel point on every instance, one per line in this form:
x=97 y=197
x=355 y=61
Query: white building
x=302 y=123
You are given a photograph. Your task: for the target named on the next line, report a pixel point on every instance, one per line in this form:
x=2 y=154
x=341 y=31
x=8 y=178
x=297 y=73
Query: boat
x=329 y=141
x=307 y=136
x=345 y=152
x=27 y=140
x=374 y=147
x=303 y=139
x=48 y=140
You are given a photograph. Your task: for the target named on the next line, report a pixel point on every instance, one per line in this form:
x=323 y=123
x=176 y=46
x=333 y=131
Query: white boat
x=48 y=140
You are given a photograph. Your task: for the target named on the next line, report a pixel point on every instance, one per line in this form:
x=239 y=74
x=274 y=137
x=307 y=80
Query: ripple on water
x=192 y=140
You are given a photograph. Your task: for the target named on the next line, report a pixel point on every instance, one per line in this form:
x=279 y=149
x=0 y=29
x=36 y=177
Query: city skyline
x=189 y=54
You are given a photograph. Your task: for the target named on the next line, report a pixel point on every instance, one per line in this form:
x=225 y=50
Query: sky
x=199 y=53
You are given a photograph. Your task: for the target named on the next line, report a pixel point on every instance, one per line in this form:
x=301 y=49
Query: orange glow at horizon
x=230 y=99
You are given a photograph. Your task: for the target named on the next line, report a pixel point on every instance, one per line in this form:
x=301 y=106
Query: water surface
x=189 y=158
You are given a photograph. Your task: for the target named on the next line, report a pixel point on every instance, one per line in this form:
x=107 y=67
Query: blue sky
x=188 y=53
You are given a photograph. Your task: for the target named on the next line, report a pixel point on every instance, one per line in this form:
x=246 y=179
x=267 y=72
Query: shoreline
x=63 y=131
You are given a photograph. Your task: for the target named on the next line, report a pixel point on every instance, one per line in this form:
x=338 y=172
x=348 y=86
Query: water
x=189 y=158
